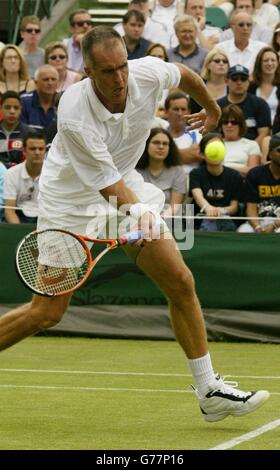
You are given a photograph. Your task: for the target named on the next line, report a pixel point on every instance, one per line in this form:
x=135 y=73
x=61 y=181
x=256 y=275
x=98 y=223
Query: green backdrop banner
x=232 y=271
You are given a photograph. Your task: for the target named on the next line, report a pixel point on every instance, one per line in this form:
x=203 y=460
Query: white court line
x=103 y=389
x=147 y=374
x=247 y=437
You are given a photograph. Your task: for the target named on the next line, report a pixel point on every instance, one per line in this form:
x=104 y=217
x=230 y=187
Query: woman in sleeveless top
x=14 y=74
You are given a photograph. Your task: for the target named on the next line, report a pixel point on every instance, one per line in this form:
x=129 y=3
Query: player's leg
x=161 y=261
x=41 y=313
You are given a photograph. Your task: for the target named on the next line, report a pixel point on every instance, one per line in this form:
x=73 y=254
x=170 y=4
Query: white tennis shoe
x=224 y=399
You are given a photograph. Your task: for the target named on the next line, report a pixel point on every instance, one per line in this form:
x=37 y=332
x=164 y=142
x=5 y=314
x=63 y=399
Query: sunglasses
x=82 y=23
x=244 y=23
x=33 y=30
x=237 y=78
x=59 y=56
x=233 y=122
x=220 y=61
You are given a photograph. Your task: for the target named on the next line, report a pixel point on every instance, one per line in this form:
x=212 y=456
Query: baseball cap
x=274 y=141
x=238 y=70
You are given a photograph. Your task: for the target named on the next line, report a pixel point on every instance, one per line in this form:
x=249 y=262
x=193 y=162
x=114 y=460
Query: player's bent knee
x=47 y=314
x=183 y=284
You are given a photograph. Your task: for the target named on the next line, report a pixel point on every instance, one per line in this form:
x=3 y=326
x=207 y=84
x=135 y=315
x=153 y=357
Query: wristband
x=204 y=207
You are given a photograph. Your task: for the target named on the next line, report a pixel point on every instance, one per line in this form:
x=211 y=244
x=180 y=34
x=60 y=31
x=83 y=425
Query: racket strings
x=52 y=262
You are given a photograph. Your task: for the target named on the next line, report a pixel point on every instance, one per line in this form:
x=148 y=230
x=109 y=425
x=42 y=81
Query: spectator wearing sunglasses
x=259 y=32
x=242 y=49
x=256 y=110
x=80 y=23
x=241 y=154
x=30 y=31
x=56 y=55
x=262 y=193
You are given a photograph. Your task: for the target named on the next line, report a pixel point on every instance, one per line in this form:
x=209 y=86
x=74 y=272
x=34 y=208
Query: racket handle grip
x=131 y=237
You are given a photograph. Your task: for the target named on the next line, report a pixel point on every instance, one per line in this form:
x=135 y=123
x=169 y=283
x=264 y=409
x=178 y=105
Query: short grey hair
x=97 y=35
x=181 y=19
x=44 y=68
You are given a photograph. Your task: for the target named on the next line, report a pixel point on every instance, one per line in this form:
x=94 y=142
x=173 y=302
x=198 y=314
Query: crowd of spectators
x=240 y=67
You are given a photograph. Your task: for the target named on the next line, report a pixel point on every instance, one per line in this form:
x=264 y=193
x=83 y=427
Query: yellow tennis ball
x=215 y=151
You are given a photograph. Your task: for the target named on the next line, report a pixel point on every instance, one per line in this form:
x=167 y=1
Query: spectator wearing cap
x=80 y=23
x=256 y=110
x=133 y=25
x=263 y=193
x=242 y=49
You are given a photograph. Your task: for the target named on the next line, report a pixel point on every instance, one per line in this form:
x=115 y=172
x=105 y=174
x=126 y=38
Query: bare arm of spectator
x=212 y=211
x=262 y=132
x=10 y=214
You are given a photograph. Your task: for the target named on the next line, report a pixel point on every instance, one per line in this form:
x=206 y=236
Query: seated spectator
x=241 y=154
x=160 y=165
x=21 y=182
x=38 y=107
x=30 y=31
x=133 y=25
x=256 y=110
x=14 y=72
x=216 y=190
x=208 y=36
x=80 y=23
x=12 y=130
x=266 y=15
x=164 y=12
x=259 y=33
x=242 y=49
x=276 y=38
x=56 y=55
x=3 y=170
x=263 y=193
x=266 y=78
x=187 y=52
x=214 y=72
x=176 y=107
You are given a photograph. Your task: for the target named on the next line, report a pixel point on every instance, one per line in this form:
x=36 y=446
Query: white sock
x=202 y=372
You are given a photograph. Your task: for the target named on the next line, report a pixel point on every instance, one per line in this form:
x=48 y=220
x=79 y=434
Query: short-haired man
x=30 y=31
x=103 y=125
x=187 y=52
x=21 y=182
x=208 y=35
x=263 y=193
x=256 y=110
x=38 y=107
x=79 y=22
x=12 y=130
x=176 y=108
x=242 y=49
x=259 y=33
x=133 y=25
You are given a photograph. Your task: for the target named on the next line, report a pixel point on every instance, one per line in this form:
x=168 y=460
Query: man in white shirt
x=103 y=124
x=242 y=49
x=21 y=184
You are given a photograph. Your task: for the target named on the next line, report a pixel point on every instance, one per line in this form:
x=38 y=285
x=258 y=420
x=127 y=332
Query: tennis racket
x=56 y=262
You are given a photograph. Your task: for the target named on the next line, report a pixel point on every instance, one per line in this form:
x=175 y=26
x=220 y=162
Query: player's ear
x=89 y=72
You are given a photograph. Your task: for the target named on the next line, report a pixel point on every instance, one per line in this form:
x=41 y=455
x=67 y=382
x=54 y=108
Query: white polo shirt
x=246 y=57
x=94 y=148
x=19 y=186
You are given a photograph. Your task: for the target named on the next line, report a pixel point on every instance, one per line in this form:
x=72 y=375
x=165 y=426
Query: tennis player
x=103 y=123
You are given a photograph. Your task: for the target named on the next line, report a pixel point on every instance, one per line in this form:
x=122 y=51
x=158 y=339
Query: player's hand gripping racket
x=56 y=262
